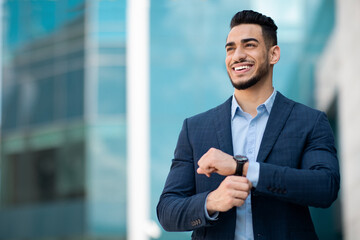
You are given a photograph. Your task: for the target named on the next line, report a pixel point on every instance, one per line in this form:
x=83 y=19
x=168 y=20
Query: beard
x=263 y=70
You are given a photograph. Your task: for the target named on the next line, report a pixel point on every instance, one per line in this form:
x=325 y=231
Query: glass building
x=63 y=133
x=63 y=165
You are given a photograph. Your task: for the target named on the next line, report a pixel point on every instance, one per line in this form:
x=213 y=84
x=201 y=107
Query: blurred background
x=63 y=104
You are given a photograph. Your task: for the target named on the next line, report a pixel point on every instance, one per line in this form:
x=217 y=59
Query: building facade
x=63 y=120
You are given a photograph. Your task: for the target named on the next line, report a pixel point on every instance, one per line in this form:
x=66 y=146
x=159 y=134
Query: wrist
x=209 y=207
x=245 y=169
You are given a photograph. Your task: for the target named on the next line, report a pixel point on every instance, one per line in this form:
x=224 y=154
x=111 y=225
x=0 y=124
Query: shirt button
x=250 y=151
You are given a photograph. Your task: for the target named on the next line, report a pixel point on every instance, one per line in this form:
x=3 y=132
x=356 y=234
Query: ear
x=274 y=54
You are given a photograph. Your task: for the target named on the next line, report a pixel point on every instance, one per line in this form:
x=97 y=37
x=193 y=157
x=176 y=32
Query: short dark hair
x=268 y=25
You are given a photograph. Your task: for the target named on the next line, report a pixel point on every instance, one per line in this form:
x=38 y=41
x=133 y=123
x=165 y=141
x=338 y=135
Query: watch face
x=241 y=158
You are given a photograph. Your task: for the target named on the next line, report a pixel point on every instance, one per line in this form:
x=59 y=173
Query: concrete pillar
x=339 y=74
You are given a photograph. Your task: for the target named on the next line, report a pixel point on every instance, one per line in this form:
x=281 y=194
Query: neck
x=249 y=99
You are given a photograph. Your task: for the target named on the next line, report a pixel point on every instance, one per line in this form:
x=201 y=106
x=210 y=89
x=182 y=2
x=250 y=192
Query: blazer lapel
x=277 y=119
x=222 y=123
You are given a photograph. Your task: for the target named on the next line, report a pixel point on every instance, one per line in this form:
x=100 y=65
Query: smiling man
x=249 y=168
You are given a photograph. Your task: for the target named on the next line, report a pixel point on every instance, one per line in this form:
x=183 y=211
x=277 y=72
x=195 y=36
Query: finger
x=207 y=172
x=200 y=171
x=237 y=180
x=240 y=195
x=203 y=164
x=238 y=202
x=245 y=187
x=250 y=184
x=238 y=184
x=204 y=156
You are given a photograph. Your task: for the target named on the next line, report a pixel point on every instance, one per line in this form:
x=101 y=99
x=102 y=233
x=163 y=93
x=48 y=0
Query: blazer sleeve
x=316 y=181
x=180 y=208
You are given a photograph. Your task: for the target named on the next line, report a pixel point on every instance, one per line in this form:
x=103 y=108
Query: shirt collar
x=268 y=104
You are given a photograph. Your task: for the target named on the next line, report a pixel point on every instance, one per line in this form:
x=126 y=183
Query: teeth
x=241 y=68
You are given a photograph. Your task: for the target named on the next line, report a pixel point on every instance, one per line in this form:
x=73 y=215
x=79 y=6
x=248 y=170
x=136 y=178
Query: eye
x=250 y=45
x=229 y=49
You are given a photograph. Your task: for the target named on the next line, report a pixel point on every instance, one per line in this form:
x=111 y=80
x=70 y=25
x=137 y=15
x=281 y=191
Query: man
x=288 y=160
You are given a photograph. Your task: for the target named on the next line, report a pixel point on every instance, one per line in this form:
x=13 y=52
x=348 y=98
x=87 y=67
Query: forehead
x=244 y=31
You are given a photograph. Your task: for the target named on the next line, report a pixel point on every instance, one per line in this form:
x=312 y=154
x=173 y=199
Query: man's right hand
x=232 y=192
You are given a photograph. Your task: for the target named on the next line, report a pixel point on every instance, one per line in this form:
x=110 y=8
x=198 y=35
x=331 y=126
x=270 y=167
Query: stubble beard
x=252 y=81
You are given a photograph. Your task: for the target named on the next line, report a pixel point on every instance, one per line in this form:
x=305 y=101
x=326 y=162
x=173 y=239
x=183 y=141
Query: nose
x=239 y=54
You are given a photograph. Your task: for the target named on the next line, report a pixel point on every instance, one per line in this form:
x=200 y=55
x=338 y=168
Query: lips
x=242 y=68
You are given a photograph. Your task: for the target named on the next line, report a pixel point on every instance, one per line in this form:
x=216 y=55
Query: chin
x=243 y=81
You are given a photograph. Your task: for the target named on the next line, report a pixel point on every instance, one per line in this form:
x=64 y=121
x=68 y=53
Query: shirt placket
x=250 y=153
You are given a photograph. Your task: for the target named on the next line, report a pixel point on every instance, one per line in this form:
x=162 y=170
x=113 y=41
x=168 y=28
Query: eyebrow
x=229 y=44
x=245 y=40
x=249 y=40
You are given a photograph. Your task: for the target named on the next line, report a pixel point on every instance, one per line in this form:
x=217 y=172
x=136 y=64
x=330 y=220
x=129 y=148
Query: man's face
x=246 y=56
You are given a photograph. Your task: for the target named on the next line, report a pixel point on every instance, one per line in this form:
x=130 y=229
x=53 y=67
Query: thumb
x=200 y=171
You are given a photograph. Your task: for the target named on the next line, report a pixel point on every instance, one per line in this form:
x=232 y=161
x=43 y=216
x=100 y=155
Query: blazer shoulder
x=297 y=106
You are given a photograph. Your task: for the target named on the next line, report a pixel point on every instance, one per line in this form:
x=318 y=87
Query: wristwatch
x=240 y=161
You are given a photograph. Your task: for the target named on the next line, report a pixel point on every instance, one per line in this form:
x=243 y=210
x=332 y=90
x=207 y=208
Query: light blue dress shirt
x=247 y=133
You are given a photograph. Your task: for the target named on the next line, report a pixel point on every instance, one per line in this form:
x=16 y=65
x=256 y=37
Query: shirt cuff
x=253 y=173
x=214 y=216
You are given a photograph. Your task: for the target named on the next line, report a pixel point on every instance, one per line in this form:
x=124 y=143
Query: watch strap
x=239 y=168
x=240 y=161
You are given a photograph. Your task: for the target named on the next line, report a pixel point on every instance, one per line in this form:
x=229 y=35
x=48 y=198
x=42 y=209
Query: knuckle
x=238 y=203
x=227 y=184
x=230 y=178
x=246 y=194
x=229 y=195
x=244 y=180
x=230 y=202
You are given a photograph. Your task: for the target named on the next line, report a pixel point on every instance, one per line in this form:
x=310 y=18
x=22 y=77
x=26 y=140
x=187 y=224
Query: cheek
x=227 y=60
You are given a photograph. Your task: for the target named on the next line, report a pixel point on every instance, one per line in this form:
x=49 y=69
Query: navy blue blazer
x=298 y=168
